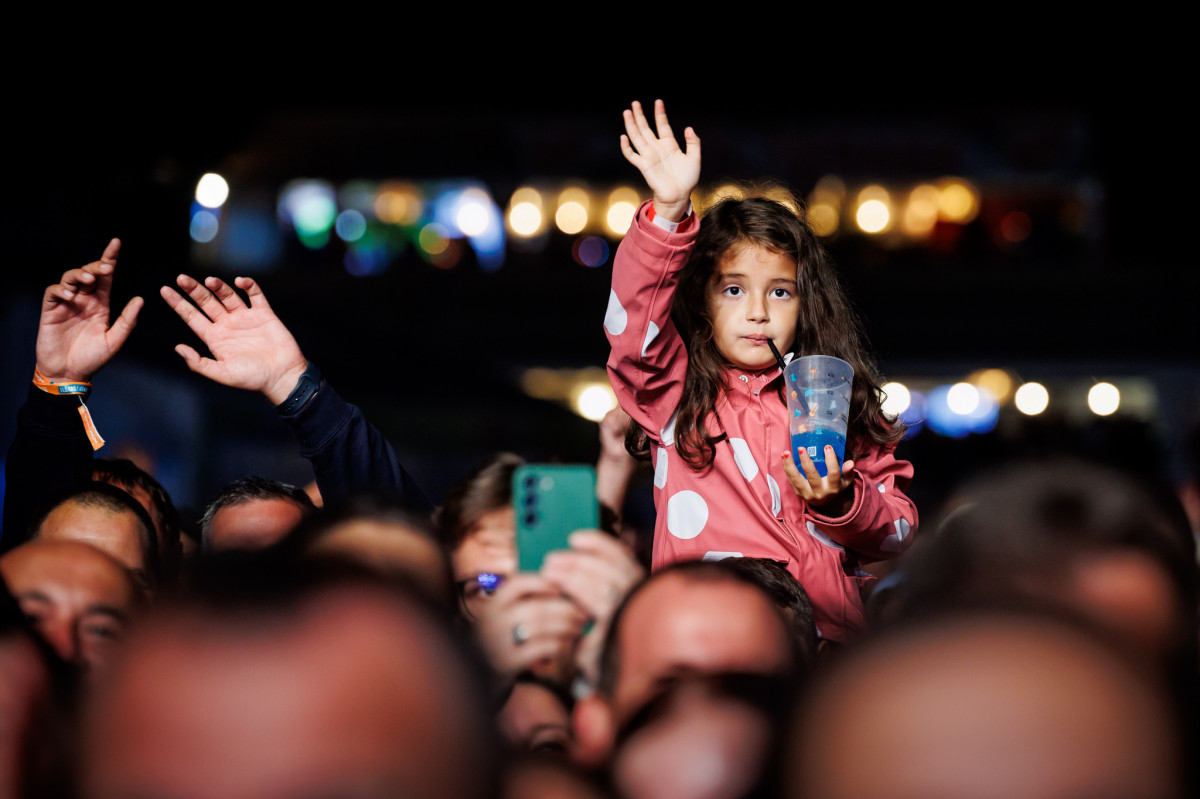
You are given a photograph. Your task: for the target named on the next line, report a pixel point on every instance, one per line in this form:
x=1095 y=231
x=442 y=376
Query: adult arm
x=50 y=450
x=253 y=350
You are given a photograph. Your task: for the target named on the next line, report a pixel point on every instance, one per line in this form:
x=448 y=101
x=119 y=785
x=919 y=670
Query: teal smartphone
x=551 y=501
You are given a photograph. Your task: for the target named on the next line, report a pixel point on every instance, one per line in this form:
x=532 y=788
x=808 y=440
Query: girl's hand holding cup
x=832 y=494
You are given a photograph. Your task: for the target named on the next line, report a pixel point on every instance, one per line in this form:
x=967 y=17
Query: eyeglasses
x=482 y=584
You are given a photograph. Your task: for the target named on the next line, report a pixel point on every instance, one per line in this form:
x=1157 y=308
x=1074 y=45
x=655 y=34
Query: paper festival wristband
x=80 y=390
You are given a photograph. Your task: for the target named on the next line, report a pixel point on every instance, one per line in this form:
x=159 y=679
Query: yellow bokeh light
x=526 y=194
x=873 y=216
x=823 y=218
x=1031 y=399
x=957 y=201
x=593 y=401
x=1104 y=399
x=571 y=218
x=620 y=217
x=921 y=211
x=831 y=189
x=525 y=219
x=398 y=204
x=997 y=381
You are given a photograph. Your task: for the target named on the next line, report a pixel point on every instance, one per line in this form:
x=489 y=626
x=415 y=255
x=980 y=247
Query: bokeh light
x=997 y=381
x=1031 y=399
x=204 y=226
x=433 y=239
x=212 y=190
x=962 y=398
x=572 y=214
x=593 y=401
x=896 y=399
x=399 y=204
x=874 y=212
x=958 y=201
x=350 y=225
x=1103 y=399
x=921 y=211
x=591 y=251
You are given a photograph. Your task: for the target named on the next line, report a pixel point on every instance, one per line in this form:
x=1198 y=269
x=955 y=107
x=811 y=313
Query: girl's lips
x=760 y=340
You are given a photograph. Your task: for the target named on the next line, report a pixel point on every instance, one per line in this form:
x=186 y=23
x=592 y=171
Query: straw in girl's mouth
x=775 y=352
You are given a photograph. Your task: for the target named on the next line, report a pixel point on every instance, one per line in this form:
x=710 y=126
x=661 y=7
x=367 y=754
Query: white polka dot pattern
x=660 y=468
x=615 y=317
x=882 y=488
x=651 y=332
x=776 y=500
x=687 y=513
x=895 y=541
x=714 y=555
x=822 y=537
x=743 y=458
x=667 y=434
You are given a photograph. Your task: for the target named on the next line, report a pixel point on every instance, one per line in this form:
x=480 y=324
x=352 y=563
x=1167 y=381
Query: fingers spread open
x=200 y=295
x=660 y=120
x=228 y=298
x=194 y=319
x=253 y=292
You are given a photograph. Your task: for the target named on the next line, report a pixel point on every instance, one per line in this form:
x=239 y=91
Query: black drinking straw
x=775 y=352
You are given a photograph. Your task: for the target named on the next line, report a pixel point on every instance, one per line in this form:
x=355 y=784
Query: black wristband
x=305 y=388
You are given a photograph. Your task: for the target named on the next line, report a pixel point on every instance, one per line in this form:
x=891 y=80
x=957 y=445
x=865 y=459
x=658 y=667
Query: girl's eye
x=732 y=291
x=781 y=294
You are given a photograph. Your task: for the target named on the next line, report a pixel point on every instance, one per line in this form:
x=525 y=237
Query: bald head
x=356 y=692
x=976 y=708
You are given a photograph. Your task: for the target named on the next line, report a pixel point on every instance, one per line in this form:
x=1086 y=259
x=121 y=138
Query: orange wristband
x=51 y=387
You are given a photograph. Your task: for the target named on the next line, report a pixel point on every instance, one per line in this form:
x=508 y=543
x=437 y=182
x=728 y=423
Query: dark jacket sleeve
x=49 y=453
x=349 y=455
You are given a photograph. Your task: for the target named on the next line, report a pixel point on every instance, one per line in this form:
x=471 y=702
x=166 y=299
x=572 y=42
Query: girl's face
x=753 y=298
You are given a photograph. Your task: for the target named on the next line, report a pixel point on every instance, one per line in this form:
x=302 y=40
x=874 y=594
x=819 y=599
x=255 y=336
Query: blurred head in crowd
x=141 y=485
x=478 y=527
x=790 y=597
x=252 y=513
x=77 y=597
x=109 y=519
x=1074 y=536
x=697 y=662
x=536 y=716
x=34 y=688
x=383 y=537
x=322 y=682
x=982 y=707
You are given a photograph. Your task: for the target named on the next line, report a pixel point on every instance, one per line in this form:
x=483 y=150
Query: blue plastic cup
x=818 y=390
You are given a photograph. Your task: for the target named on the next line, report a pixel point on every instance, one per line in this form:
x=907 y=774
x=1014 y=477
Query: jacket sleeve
x=49 y=453
x=648 y=360
x=349 y=455
x=882 y=520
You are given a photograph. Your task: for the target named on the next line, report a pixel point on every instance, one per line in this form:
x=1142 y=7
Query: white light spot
x=1104 y=399
x=667 y=434
x=687 y=513
x=962 y=398
x=743 y=458
x=1031 y=399
x=713 y=555
x=212 y=190
x=897 y=398
x=660 y=468
x=822 y=537
x=776 y=500
x=882 y=488
x=615 y=317
x=651 y=332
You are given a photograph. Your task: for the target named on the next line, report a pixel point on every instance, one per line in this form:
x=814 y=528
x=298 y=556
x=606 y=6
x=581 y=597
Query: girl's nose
x=756 y=309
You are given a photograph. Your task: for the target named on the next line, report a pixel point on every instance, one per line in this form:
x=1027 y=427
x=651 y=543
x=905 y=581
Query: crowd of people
x=359 y=640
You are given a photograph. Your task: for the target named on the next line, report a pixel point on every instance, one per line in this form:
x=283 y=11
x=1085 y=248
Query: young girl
x=692 y=309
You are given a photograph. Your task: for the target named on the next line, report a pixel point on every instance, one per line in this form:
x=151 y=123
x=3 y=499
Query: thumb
x=120 y=330
x=205 y=367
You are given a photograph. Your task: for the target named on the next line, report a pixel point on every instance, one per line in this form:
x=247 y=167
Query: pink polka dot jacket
x=744 y=505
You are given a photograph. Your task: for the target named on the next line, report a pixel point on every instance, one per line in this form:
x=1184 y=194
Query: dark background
x=434 y=355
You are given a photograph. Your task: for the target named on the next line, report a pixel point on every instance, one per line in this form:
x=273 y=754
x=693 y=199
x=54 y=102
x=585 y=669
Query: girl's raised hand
x=670 y=173
x=833 y=494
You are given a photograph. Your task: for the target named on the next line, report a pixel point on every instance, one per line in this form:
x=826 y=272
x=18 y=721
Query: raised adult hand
x=74 y=338
x=251 y=348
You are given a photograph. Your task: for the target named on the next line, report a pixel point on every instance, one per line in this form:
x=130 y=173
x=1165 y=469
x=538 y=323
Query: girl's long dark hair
x=827 y=325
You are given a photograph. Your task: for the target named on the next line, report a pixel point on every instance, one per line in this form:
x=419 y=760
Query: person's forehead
x=701 y=625
x=66 y=564
x=749 y=258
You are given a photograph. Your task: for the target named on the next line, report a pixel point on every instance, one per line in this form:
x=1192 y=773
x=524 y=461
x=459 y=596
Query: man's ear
x=595 y=731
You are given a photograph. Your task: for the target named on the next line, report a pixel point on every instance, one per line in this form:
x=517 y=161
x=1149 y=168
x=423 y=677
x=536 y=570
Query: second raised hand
x=251 y=348
x=671 y=173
